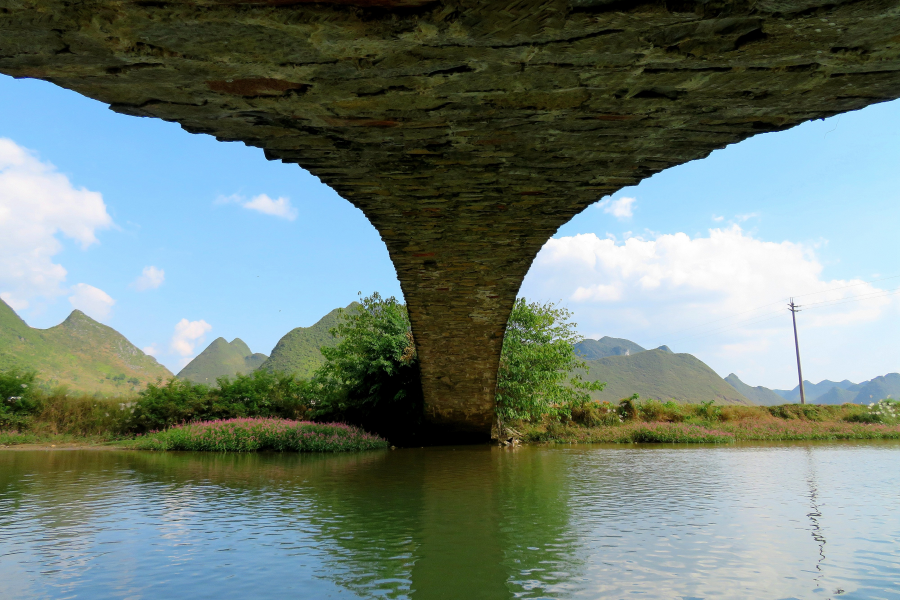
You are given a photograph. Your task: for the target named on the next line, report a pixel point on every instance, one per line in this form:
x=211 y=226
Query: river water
x=762 y=521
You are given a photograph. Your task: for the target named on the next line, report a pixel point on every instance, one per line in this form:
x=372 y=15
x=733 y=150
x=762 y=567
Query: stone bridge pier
x=467 y=131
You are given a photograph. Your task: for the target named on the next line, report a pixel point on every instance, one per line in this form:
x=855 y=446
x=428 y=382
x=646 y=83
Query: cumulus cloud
x=151 y=350
x=620 y=209
x=150 y=279
x=188 y=334
x=92 y=301
x=38 y=205
x=281 y=207
x=725 y=292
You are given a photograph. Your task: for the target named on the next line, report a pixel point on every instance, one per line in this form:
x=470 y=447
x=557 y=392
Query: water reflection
x=453 y=523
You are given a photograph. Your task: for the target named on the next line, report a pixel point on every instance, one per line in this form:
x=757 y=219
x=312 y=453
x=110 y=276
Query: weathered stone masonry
x=467 y=131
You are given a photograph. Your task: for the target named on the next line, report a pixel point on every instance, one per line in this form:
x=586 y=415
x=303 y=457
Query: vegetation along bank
x=369 y=382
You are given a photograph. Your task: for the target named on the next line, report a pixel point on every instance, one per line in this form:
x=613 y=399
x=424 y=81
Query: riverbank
x=632 y=421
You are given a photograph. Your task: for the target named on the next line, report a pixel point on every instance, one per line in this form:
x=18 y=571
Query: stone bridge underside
x=467 y=131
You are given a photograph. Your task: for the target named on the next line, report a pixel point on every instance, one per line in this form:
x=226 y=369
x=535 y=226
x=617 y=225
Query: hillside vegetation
x=222 y=359
x=80 y=353
x=299 y=351
x=660 y=375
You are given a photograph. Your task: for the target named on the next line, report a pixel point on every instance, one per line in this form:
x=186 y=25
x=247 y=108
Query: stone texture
x=467 y=131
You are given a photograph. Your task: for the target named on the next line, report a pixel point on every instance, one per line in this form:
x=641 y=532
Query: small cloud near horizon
x=92 y=301
x=150 y=279
x=280 y=207
x=621 y=209
x=188 y=335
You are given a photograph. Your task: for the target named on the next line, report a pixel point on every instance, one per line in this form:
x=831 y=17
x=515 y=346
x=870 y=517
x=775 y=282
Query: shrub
x=596 y=414
x=162 y=405
x=250 y=435
x=536 y=362
x=708 y=410
x=885 y=412
x=62 y=412
x=628 y=408
x=259 y=394
x=17 y=393
x=654 y=410
x=371 y=377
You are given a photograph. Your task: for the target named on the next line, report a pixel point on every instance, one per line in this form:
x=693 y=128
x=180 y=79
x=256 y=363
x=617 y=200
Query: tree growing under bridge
x=371 y=377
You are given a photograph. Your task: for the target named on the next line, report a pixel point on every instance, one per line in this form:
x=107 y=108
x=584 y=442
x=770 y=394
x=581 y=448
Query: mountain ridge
x=222 y=359
x=81 y=353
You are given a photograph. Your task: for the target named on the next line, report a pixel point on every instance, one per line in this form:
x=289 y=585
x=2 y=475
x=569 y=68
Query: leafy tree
x=371 y=377
x=536 y=365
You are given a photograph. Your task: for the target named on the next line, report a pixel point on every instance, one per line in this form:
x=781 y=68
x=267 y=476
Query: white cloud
x=13 y=302
x=621 y=209
x=37 y=206
x=718 y=219
x=722 y=297
x=281 y=208
x=92 y=301
x=188 y=334
x=150 y=279
x=151 y=350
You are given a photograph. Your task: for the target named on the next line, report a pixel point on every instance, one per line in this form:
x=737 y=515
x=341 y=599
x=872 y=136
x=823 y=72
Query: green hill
x=606 y=346
x=298 y=351
x=79 y=352
x=837 y=396
x=660 y=375
x=759 y=394
x=222 y=359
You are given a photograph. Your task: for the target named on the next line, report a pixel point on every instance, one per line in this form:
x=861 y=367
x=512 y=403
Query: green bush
x=654 y=410
x=536 y=363
x=596 y=414
x=17 y=393
x=260 y=394
x=371 y=377
x=628 y=408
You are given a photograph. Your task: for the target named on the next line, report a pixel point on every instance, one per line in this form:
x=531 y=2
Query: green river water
x=753 y=521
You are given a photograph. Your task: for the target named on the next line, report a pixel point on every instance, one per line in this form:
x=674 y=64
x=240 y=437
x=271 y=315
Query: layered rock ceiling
x=467 y=131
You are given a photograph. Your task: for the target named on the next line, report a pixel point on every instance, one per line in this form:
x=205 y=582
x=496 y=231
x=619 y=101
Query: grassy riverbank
x=251 y=435
x=655 y=422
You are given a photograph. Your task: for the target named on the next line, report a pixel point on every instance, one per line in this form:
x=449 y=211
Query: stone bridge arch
x=467 y=131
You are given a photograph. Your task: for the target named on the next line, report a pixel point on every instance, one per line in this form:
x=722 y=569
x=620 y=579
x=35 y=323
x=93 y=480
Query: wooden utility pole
x=794 y=310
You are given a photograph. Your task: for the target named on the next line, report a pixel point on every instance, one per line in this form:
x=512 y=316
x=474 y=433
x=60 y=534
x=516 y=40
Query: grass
x=633 y=421
x=254 y=434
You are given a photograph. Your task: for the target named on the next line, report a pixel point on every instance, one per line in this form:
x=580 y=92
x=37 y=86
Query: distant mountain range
x=758 y=395
x=826 y=391
x=80 y=353
x=222 y=359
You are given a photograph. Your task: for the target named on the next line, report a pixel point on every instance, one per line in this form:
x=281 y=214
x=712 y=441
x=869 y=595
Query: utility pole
x=794 y=310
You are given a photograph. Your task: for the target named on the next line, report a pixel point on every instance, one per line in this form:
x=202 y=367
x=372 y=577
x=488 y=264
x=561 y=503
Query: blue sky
x=236 y=246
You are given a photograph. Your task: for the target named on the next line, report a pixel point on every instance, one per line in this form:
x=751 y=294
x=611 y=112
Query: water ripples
x=788 y=521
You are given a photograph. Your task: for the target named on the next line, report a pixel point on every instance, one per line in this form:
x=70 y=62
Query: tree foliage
x=371 y=377
x=259 y=394
x=537 y=362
